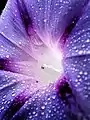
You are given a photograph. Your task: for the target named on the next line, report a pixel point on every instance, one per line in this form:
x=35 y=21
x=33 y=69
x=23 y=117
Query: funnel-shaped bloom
x=40 y=42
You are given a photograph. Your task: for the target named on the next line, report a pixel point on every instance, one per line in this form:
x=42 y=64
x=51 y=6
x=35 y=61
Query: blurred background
x=2 y=5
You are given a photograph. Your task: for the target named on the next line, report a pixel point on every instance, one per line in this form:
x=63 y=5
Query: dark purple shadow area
x=5 y=64
x=63 y=89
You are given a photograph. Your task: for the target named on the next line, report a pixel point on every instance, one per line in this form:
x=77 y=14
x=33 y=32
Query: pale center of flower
x=50 y=65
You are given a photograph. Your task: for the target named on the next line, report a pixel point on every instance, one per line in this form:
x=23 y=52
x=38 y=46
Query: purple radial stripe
x=75 y=14
x=16 y=104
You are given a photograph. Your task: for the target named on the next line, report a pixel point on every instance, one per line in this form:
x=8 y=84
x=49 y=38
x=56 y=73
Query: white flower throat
x=50 y=66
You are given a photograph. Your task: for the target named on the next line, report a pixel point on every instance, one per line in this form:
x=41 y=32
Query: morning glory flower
x=44 y=60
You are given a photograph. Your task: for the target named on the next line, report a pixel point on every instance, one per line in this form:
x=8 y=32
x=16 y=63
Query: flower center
x=50 y=66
